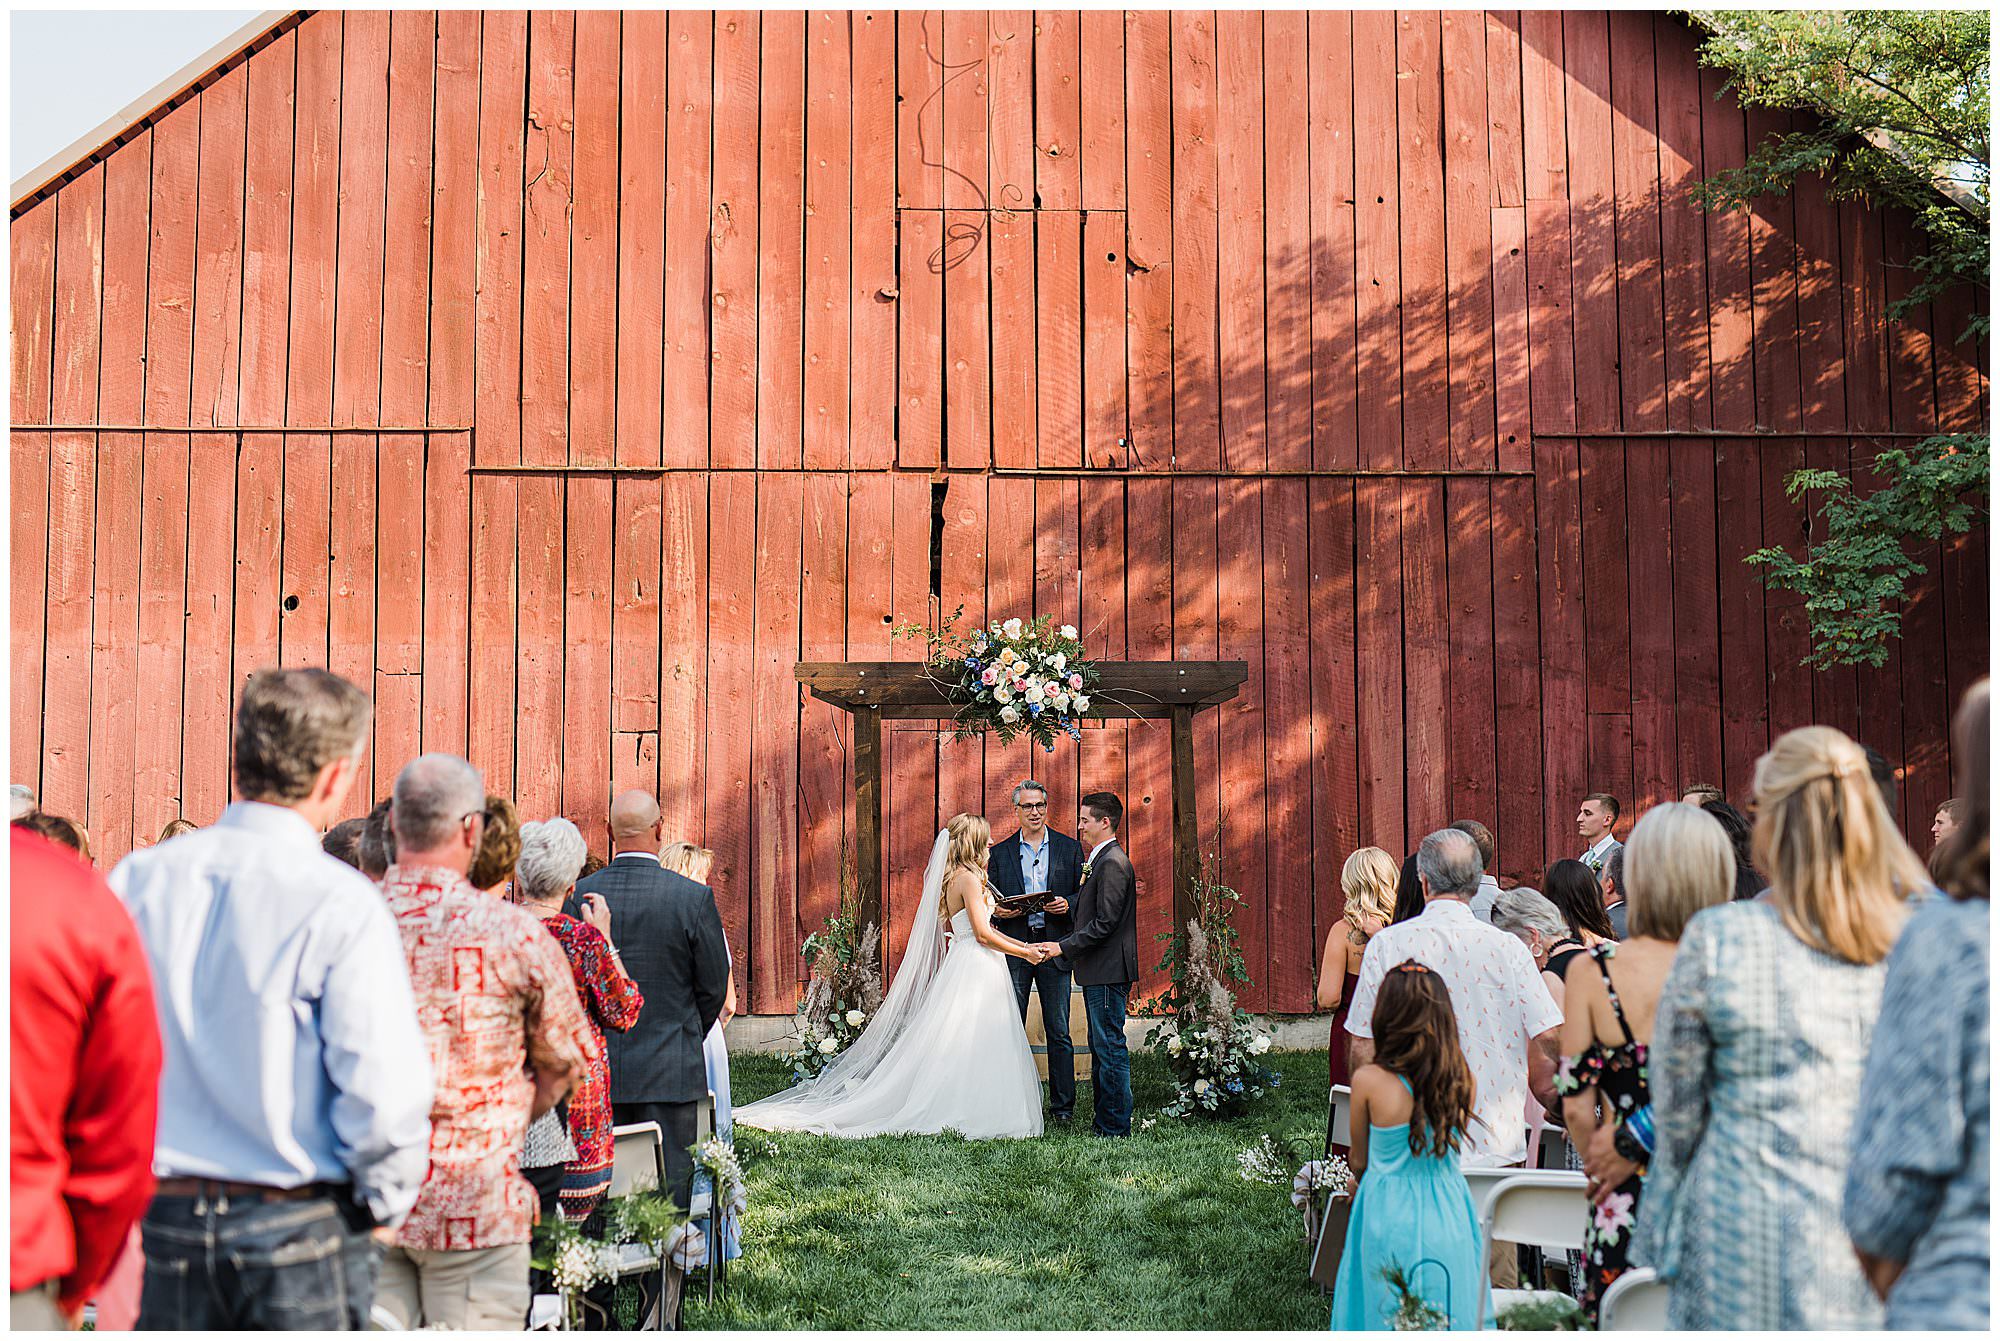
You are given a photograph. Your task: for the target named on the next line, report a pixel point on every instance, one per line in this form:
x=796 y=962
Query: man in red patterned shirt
x=507 y=1035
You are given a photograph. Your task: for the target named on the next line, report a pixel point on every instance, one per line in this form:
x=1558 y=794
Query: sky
x=72 y=70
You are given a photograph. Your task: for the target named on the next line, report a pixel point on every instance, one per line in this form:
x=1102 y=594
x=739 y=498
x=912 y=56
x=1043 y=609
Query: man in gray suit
x=1612 y=879
x=669 y=934
x=1595 y=820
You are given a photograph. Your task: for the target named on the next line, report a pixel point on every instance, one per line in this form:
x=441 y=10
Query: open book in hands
x=1021 y=905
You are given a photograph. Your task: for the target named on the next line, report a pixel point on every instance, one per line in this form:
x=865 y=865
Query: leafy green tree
x=1902 y=119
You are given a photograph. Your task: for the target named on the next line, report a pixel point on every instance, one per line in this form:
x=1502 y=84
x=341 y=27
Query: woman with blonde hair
x=946 y=1050
x=1677 y=861
x=1760 y=1040
x=1368 y=893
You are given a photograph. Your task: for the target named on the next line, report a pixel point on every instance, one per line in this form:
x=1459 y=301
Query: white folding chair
x=1542 y=1208
x=638 y=1165
x=1339 y=1123
x=547 y=1313
x=702 y=1205
x=1636 y=1302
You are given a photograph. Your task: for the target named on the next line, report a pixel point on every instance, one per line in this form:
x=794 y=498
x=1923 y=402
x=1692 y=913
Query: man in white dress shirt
x=1595 y=819
x=1507 y=1021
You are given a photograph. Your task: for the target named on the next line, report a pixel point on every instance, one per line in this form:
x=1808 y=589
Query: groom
x=1038 y=860
x=1103 y=952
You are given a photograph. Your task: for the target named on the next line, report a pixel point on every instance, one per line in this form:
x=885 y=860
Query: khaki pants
x=34 y=1310
x=474 y=1289
x=1504 y=1265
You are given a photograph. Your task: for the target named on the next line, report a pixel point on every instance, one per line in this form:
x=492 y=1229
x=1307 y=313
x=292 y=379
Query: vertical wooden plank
x=734 y=242
x=869 y=567
x=1104 y=340
x=1426 y=654
x=1290 y=948
x=1517 y=680
x=400 y=591
x=218 y=327
x=828 y=220
x=920 y=72
x=1010 y=145
x=79 y=294
x=1469 y=244
x=1059 y=339
x=31 y=277
x=357 y=362
x=1239 y=250
x=1101 y=108
x=730 y=680
x=824 y=592
x=1379 y=651
x=1377 y=245
x=1012 y=275
x=781 y=139
x=1512 y=380
x=965 y=108
x=635 y=526
x=1471 y=751
x=1058 y=110
x=1102 y=754
x=1149 y=222
x=774 y=756
x=497 y=327
x=968 y=361
x=1195 y=545
x=686 y=599
x=1505 y=117
x=872 y=311
x=910 y=753
x=453 y=316
x=1010 y=593
x=1427 y=403
x=1336 y=801
x=920 y=252
x=1149 y=636
x=1058 y=570
x=1197 y=385
x=1243 y=814
x=1336 y=440
x=114 y=636
x=692 y=77
x=961 y=763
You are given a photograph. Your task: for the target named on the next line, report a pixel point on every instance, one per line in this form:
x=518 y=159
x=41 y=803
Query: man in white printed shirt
x=1507 y=1021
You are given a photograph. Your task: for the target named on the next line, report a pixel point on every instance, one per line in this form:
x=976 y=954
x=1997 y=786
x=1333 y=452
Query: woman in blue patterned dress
x=1757 y=1055
x=1919 y=1189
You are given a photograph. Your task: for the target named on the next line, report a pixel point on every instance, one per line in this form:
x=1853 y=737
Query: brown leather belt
x=223 y=1187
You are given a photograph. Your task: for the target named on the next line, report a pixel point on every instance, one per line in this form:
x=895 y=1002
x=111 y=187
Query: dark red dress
x=1336 y=1046
x=612 y=1001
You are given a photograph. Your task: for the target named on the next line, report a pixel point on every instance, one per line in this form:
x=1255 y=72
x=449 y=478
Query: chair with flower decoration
x=639 y=1165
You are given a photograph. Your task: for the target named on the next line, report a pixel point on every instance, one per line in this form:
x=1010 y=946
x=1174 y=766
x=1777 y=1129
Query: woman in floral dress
x=552 y=854
x=1677 y=862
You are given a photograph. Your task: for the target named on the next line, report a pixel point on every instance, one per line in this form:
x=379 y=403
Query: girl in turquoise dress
x=1412 y=1209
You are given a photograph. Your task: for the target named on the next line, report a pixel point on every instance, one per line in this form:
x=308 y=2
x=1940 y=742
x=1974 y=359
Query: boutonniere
x=1086 y=870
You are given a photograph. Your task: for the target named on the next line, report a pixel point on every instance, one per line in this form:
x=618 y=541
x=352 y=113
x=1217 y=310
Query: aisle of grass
x=1065 y=1231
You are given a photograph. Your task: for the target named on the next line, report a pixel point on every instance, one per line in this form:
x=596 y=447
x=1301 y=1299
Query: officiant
x=1037 y=872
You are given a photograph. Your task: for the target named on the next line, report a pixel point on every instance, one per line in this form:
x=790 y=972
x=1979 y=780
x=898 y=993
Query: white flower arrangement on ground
x=842 y=995
x=1013 y=677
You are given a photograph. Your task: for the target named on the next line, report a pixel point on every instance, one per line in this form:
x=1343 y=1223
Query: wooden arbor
x=874 y=690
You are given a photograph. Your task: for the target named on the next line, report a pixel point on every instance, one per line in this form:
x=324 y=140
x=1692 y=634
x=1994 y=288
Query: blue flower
x=1275 y=1078
x=1233 y=1085
x=972 y=663
x=1034 y=710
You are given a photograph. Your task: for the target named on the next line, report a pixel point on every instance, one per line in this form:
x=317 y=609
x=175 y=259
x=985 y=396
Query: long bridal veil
x=811 y=1100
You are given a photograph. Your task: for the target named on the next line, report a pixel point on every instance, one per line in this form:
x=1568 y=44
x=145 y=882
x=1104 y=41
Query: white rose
x=1261 y=1044
x=829 y=1046
x=1081 y=703
x=1059 y=661
x=1002 y=694
x=1068 y=630
x=1174 y=1043
x=1010 y=715
x=1061 y=700
x=1201 y=1087
x=855 y=1017
x=1012 y=628
x=1035 y=691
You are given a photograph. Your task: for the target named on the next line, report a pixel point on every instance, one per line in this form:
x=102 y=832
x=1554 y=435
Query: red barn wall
x=1354 y=346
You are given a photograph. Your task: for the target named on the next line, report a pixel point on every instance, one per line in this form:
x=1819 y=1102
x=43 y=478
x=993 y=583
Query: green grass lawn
x=1065 y=1231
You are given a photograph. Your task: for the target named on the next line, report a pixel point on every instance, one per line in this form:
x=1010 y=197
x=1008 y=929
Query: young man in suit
x=1596 y=817
x=1038 y=860
x=1103 y=952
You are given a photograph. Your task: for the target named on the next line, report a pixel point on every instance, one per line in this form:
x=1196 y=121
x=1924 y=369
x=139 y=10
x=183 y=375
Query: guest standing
x=1489 y=886
x=1918 y=1200
x=1761 y=1039
x=1039 y=860
x=1596 y=818
x=507 y=1036
x=296 y=1090
x=1529 y=917
x=1736 y=824
x=674 y=948
x=1368 y=894
x=695 y=863
x=552 y=853
x=1412 y=1211
x=85 y=1083
x=1679 y=862
x=1612 y=881
x=1572 y=887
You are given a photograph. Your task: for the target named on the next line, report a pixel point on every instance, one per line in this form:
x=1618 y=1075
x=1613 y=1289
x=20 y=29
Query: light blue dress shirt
x=1035 y=866
x=292 y=1049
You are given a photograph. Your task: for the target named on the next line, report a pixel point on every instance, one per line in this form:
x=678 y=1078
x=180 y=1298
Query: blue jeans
x=239 y=1264
x=1054 y=983
x=1110 y=1065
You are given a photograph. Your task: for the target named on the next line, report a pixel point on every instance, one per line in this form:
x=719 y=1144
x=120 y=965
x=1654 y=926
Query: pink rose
x=1021 y=686
x=1075 y=680
x=989 y=676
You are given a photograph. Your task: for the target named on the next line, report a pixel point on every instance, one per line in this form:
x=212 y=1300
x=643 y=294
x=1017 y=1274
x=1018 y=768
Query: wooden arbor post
x=876 y=690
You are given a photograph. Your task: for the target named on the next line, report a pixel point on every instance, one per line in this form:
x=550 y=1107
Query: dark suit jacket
x=669 y=934
x=1104 y=948
x=1616 y=912
x=1003 y=868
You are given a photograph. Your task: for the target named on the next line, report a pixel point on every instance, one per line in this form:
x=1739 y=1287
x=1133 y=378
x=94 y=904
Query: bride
x=946 y=1051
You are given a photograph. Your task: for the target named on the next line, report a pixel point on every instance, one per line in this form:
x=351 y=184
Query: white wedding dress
x=945 y=1052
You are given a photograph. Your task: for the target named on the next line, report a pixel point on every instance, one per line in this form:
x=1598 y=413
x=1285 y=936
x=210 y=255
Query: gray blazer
x=669 y=935
x=1104 y=948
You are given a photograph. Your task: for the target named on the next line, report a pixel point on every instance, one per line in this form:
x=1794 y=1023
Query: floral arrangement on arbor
x=843 y=993
x=1210 y=1044
x=1012 y=677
